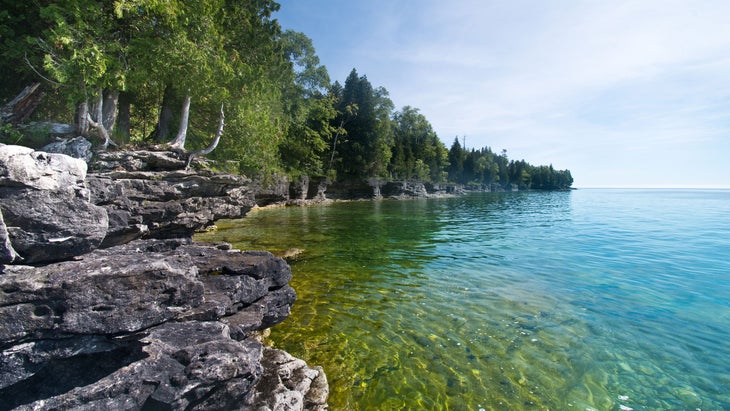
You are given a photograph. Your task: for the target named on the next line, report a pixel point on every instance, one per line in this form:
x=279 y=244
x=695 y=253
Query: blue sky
x=623 y=93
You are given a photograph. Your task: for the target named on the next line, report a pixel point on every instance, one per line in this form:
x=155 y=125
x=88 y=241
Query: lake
x=593 y=299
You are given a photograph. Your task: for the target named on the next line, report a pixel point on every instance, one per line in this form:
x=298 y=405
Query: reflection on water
x=594 y=299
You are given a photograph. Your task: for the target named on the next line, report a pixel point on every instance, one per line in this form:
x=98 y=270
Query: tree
x=415 y=140
x=309 y=110
x=81 y=53
x=456 y=161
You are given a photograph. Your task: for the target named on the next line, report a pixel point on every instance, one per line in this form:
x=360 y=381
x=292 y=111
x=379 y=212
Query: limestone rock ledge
x=153 y=324
x=107 y=303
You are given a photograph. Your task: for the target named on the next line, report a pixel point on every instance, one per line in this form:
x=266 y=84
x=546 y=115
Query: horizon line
x=657 y=187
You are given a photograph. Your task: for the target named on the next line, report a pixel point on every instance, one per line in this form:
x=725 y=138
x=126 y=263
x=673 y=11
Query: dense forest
x=162 y=71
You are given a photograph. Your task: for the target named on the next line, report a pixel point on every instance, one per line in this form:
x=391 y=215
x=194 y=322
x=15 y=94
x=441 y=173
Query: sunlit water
x=585 y=300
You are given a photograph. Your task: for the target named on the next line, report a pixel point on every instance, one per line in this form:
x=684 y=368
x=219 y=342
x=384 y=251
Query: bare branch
x=99 y=124
x=25 y=56
x=22 y=106
x=212 y=145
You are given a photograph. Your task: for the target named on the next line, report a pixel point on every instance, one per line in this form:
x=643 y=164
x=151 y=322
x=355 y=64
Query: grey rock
x=289 y=383
x=167 y=204
x=178 y=366
x=404 y=189
x=103 y=293
x=275 y=191
x=77 y=147
x=45 y=206
x=153 y=324
x=49 y=128
x=299 y=189
x=22 y=167
x=139 y=160
x=46 y=226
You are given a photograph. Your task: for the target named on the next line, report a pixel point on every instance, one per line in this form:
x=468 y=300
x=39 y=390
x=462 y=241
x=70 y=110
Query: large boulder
x=23 y=167
x=46 y=206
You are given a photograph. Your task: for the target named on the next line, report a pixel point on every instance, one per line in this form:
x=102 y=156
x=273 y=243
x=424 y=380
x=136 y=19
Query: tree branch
x=212 y=145
x=25 y=56
x=99 y=124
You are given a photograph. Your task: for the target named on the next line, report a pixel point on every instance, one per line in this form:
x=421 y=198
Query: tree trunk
x=162 y=131
x=124 y=122
x=182 y=132
x=82 y=119
x=99 y=123
x=18 y=110
x=109 y=109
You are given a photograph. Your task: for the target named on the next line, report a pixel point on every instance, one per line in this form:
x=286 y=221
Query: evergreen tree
x=366 y=151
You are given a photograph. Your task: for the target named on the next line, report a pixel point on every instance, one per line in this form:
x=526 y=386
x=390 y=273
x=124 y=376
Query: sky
x=622 y=93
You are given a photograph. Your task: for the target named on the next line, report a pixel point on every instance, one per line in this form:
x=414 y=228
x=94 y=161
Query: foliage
x=366 y=150
x=146 y=57
x=9 y=134
x=417 y=152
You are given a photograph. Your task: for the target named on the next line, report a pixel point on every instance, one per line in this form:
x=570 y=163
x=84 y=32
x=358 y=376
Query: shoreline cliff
x=107 y=302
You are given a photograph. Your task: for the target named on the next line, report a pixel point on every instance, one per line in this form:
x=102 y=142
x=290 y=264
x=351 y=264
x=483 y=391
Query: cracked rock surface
x=107 y=303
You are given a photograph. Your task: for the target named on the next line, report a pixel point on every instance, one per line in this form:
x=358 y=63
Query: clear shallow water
x=590 y=299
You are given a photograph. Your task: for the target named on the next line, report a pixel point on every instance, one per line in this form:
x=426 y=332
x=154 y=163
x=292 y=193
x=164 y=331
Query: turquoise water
x=585 y=300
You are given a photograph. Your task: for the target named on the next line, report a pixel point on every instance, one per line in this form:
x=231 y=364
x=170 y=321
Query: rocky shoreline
x=106 y=302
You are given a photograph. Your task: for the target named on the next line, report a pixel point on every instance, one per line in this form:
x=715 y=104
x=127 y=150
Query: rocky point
x=107 y=303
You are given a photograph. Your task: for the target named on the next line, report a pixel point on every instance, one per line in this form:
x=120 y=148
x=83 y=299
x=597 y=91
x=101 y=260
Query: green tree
x=309 y=110
x=456 y=162
x=414 y=140
x=366 y=151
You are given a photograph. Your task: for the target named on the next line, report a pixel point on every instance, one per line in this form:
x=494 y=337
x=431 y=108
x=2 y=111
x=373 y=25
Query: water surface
x=590 y=299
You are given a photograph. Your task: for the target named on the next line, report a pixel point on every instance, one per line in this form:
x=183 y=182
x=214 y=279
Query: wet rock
x=289 y=384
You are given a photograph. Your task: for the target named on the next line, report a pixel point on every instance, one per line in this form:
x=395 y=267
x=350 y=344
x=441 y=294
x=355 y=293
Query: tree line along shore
x=144 y=72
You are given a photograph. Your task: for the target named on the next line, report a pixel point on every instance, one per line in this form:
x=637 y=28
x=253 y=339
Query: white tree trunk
x=179 y=142
x=98 y=124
